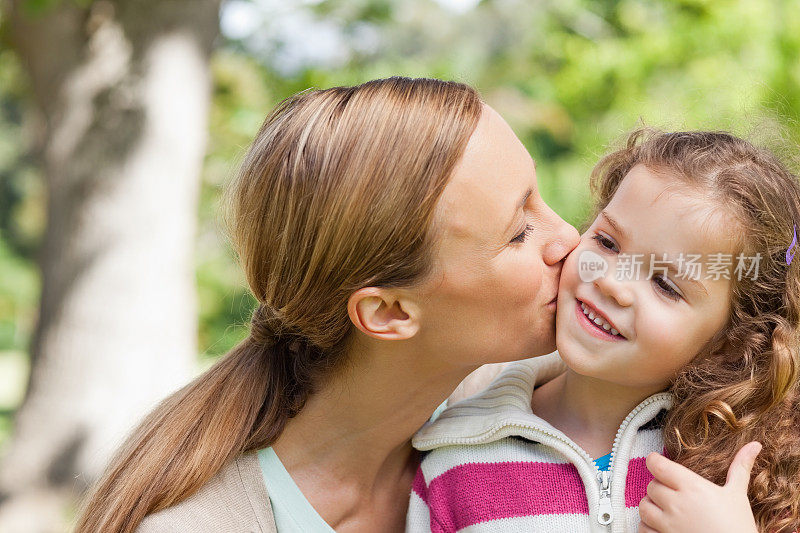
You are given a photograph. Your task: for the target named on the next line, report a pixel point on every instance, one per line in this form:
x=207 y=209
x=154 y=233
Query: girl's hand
x=680 y=501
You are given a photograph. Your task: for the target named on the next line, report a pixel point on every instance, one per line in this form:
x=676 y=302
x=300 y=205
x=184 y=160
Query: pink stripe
x=476 y=492
x=636 y=482
x=419 y=486
x=422 y=491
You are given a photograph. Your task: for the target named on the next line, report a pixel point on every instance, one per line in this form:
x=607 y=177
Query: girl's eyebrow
x=691 y=281
x=617 y=227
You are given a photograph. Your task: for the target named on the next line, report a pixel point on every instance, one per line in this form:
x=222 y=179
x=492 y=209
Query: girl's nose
x=614 y=288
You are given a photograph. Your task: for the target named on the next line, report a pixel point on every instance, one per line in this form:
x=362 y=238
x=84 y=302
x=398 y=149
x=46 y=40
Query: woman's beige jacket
x=235 y=500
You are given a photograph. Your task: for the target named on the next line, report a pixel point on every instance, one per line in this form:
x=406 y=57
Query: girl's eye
x=666 y=287
x=524 y=235
x=604 y=242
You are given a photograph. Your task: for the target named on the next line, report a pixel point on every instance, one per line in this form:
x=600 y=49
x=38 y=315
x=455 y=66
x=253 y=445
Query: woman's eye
x=524 y=235
x=666 y=287
x=604 y=242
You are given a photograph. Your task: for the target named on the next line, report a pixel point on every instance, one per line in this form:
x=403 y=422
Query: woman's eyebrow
x=524 y=199
x=519 y=205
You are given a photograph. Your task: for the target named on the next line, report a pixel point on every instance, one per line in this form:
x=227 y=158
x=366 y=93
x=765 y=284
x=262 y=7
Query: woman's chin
x=542 y=346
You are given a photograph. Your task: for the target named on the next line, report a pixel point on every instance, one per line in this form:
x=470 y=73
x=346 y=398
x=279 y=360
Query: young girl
x=677 y=329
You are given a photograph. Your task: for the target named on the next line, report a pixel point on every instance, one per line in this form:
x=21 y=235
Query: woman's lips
x=592 y=328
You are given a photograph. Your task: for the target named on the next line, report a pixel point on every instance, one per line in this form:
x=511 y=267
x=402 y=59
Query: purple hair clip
x=790 y=256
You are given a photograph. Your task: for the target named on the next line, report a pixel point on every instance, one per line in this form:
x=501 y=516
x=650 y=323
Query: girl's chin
x=580 y=360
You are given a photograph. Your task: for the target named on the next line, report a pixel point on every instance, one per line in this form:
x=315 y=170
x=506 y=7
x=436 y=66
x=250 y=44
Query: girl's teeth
x=597 y=320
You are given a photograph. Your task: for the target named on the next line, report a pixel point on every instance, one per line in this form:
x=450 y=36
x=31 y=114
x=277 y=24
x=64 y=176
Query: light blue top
x=603 y=463
x=439 y=410
x=293 y=513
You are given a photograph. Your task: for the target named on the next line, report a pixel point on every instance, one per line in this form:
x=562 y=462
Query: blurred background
x=121 y=120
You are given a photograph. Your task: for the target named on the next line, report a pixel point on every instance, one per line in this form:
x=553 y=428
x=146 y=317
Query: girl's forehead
x=664 y=209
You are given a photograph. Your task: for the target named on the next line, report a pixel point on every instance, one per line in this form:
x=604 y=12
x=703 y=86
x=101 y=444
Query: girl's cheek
x=569 y=271
x=565 y=283
x=659 y=329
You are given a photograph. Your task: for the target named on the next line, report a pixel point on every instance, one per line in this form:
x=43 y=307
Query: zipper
x=624 y=425
x=605 y=513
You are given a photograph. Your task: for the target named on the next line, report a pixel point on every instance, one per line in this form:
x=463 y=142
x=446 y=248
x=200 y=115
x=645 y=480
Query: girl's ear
x=383 y=314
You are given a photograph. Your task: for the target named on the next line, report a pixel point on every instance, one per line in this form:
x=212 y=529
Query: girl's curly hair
x=743 y=385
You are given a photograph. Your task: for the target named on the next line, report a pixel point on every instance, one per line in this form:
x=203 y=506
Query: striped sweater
x=489 y=464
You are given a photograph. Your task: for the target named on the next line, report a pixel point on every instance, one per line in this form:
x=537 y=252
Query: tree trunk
x=122 y=91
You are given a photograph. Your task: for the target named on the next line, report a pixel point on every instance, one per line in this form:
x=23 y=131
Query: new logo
x=591 y=266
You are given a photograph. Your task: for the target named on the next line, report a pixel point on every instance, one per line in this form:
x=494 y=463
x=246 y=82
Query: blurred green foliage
x=570 y=76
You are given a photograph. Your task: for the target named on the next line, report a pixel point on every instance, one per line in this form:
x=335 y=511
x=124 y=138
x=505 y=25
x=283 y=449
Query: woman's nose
x=563 y=240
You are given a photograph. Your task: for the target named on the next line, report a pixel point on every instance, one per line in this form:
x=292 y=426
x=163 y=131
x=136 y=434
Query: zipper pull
x=605 y=513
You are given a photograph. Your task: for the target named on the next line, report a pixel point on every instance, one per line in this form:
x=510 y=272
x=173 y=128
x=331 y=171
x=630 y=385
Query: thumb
x=742 y=464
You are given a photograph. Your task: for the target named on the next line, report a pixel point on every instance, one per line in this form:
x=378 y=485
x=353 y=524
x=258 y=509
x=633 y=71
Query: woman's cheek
x=527 y=280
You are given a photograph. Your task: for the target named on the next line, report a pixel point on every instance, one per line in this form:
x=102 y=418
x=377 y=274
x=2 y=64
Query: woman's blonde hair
x=337 y=192
x=743 y=385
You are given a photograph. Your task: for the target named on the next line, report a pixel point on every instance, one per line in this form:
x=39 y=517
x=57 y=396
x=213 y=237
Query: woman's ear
x=383 y=313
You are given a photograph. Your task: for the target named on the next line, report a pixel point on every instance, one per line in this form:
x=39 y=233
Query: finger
x=660 y=494
x=742 y=465
x=644 y=528
x=651 y=515
x=669 y=472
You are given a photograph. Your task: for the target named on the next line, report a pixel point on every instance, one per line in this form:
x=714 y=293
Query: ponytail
x=241 y=403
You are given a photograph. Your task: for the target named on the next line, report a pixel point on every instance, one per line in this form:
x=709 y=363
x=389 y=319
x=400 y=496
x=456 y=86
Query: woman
x=395 y=239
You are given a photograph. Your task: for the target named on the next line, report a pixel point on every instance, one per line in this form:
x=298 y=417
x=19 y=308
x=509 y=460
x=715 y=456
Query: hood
x=505 y=401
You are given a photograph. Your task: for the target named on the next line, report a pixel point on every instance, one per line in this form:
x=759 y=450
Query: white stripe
x=551 y=523
x=440 y=460
x=632 y=518
x=572 y=523
x=418 y=519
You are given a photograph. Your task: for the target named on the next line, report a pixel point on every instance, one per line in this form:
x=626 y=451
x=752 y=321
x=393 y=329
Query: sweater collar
x=505 y=402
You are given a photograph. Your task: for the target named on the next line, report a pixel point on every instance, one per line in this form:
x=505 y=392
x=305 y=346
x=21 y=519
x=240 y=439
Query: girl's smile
x=595 y=323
